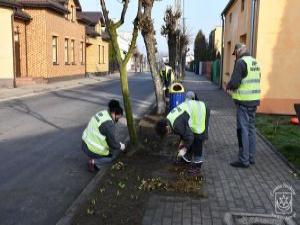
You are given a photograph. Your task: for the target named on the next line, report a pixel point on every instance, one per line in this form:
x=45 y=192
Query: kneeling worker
x=98 y=139
x=190 y=121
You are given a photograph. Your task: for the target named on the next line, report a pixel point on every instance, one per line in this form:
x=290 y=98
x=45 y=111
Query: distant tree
x=184 y=41
x=171 y=31
x=200 y=48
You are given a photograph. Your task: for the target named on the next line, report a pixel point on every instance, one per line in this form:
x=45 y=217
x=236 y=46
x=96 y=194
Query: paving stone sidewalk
x=228 y=189
x=36 y=89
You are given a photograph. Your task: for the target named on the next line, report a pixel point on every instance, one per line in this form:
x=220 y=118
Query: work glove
x=122 y=147
x=164 y=88
x=182 y=152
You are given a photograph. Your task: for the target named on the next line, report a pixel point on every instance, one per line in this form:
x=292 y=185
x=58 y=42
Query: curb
x=273 y=149
x=66 y=219
x=46 y=91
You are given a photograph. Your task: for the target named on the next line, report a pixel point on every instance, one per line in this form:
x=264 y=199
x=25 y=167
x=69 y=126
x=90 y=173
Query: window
x=81 y=53
x=66 y=51
x=243 y=39
x=99 y=54
x=230 y=17
x=73 y=51
x=243 y=5
x=54 y=50
x=72 y=13
x=103 y=54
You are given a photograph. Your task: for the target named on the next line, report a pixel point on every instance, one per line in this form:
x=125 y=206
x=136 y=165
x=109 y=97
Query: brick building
x=48 y=40
x=97 y=46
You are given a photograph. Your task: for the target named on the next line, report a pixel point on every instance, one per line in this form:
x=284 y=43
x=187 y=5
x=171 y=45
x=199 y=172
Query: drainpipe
x=14 y=53
x=253 y=4
x=222 y=52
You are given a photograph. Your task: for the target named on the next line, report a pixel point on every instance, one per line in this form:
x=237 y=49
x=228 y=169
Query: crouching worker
x=99 y=140
x=189 y=120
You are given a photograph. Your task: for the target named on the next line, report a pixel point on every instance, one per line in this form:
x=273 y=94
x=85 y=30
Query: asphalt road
x=42 y=168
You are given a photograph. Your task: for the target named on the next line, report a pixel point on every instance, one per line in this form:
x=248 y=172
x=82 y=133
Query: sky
x=199 y=14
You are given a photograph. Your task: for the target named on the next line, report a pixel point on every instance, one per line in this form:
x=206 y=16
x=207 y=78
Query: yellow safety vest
x=164 y=74
x=249 y=90
x=196 y=111
x=95 y=141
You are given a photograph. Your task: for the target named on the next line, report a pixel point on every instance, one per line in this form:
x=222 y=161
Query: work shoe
x=91 y=165
x=187 y=157
x=239 y=164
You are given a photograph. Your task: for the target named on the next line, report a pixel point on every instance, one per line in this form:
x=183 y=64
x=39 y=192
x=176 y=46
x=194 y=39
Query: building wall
x=36 y=44
x=71 y=30
x=92 y=51
x=6 y=46
x=278 y=52
x=234 y=32
x=20 y=29
x=218 y=39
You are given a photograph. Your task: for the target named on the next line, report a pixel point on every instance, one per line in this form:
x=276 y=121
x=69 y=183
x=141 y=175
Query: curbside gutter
x=88 y=190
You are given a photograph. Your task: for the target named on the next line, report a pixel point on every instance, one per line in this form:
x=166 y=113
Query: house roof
x=20 y=14
x=90 y=31
x=55 y=5
x=9 y=3
x=94 y=17
x=105 y=36
x=228 y=6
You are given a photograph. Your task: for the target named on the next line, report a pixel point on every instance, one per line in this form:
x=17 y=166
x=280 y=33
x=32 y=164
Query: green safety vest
x=95 y=141
x=196 y=111
x=249 y=90
x=164 y=74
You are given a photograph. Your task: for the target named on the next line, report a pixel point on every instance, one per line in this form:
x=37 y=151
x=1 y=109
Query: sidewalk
x=36 y=89
x=228 y=189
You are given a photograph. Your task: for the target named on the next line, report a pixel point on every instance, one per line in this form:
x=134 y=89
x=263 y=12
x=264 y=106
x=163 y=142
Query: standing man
x=245 y=87
x=167 y=76
x=99 y=139
x=189 y=120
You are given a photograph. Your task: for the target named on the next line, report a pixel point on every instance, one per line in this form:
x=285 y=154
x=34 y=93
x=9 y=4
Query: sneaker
x=187 y=157
x=198 y=160
x=91 y=165
x=239 y=164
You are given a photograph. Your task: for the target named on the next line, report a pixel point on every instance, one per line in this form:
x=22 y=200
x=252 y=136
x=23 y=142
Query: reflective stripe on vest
x=196 y=111
x=249 y=90
x=95 y=141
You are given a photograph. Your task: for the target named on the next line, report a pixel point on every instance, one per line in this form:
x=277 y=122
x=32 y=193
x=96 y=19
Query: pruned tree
x=148 y=32
x=171 y=31
x=123 y=61
x=184 y=41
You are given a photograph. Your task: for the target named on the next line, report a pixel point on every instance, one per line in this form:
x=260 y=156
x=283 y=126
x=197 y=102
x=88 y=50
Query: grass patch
x=284 y=136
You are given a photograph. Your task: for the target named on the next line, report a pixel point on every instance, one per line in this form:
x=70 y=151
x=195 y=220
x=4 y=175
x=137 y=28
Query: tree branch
x=134 y=33
x=122 y=18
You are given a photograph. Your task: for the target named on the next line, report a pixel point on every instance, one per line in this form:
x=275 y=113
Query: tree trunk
x=149 y=40
x=172 y=45
x=127 y=105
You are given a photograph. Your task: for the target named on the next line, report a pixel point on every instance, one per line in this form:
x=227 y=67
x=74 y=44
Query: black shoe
x=239 y=164
x=252 y=162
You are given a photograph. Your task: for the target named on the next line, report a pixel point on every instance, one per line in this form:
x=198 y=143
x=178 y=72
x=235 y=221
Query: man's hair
x=114 y=106
x=161 y=128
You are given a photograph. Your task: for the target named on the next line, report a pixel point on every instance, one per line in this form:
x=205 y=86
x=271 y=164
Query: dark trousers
x=100 y=161
x=197 y=148
x=246 y=133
